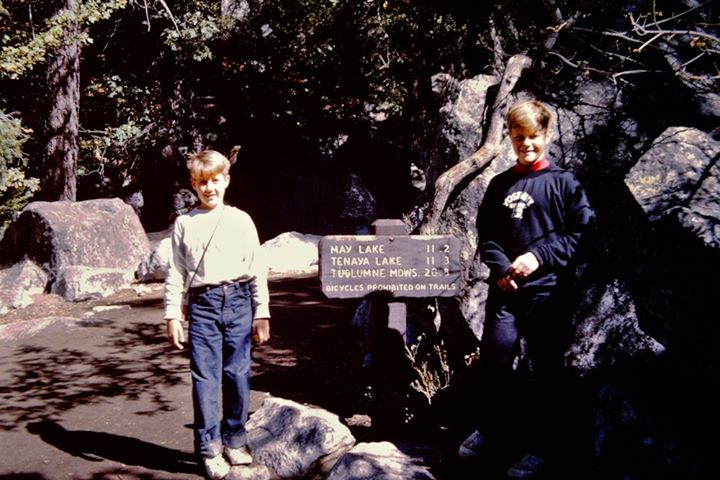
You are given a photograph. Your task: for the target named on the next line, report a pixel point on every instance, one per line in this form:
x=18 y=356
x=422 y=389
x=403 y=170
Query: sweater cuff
x=173 y=312
x=261 y=311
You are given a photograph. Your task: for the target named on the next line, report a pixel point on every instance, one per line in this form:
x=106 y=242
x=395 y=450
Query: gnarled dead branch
x=447 y=184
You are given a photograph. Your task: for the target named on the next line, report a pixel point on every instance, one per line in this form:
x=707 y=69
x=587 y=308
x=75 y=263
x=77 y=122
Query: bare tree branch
x=675 y=17
x=147 y=16
x=557 y=19
x=498 y=50
x=675 y=44
x=449 y=181
x=169 y=12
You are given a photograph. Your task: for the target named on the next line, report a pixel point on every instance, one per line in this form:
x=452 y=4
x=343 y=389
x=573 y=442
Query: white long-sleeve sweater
x=234 y=254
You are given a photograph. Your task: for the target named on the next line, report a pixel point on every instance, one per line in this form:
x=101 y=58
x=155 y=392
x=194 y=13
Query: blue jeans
x=542 y=319
x=220 y=327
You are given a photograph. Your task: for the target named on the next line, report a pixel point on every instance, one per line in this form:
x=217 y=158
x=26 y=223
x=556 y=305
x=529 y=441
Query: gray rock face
x=19 y=283
x=103 y=233
x=77 y=283
x=463 y=114
x=679 y=178
x=296 y=441
x=292 y=252
x=608 y=331
x=377 y=461
x=154 y=268
x=87 y=248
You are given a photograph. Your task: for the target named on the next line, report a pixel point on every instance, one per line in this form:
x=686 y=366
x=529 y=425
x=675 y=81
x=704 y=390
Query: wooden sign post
x=391 y=262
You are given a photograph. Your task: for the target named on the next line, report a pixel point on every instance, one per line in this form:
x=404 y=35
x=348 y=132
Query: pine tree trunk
x=64 y=86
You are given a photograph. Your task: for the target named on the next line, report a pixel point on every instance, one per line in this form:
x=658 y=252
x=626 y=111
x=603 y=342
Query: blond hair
x=207 y=163
x=531 y=115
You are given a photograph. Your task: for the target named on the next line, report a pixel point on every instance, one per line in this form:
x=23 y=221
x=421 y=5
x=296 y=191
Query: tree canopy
x=294 y=80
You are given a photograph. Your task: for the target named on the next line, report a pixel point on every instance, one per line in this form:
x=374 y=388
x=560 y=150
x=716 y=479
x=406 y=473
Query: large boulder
x=292 y=252
x=76 y=283
x=607 y=331
x=19 y=283
x=378 y=461
x=679 y=178
x=102 y=234
x=154 y=267
x=296 y=441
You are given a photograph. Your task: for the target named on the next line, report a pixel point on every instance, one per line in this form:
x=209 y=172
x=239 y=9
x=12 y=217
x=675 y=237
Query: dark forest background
x=104 y=98
x=340 y=112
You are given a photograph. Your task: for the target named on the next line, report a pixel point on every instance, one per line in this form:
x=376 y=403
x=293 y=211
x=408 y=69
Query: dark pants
x=510 y=404
x=220 y=342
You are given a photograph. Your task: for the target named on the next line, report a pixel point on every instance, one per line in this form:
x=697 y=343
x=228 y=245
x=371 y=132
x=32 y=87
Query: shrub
x=15 y=188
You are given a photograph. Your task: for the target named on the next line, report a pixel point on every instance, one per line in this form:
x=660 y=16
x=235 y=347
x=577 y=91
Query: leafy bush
x=15 y=188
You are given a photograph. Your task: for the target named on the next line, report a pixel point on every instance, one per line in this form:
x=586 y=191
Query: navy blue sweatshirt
x=544 y=212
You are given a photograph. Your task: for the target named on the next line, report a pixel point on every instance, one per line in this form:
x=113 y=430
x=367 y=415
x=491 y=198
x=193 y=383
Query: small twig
x=147 y=15
x=575 y=65
x=700 y=55
x=615 y=76
x=641 y=47
x=682 y=32
x=167 y=9
x=32 y=24
x=624 y=58
x=670 y=19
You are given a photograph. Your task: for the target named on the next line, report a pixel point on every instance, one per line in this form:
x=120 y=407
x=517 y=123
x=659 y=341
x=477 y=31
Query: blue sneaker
x=472 y=445
x=528 y=467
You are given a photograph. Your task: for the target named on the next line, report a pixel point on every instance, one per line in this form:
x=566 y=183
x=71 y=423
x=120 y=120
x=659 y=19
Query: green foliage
x=12 y=137
x=291 y=80
x=323 y=68
x=23 y=49
x=199 y=29
x=179 y=71
x=109 y=154
x=15 y=188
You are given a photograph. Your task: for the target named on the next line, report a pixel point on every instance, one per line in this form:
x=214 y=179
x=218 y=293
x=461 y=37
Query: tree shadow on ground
x=133 y=361
x=310 y=356
x=115 y=473
x=98 y=446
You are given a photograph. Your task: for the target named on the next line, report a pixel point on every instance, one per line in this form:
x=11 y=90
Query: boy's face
x=529 y=145
x=210 y=189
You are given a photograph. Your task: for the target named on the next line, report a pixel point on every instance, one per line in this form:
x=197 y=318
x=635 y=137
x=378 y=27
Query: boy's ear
x=227 y=179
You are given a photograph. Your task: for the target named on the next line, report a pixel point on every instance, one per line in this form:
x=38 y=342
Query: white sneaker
x=528 y=467
x=472 y=445
x=238 y=456
x=216 y=467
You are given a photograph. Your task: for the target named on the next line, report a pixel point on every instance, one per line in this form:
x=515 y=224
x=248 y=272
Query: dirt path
x=92 y=391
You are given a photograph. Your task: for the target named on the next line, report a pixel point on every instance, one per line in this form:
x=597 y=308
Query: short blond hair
x=532 y=115
x=207 y=163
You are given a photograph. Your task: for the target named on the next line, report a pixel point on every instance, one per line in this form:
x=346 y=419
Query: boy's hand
x=507 y=283
x=261 y=330
x=523 y=266
x=175 y=333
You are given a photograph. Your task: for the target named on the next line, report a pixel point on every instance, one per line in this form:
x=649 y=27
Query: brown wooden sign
x=405 y=265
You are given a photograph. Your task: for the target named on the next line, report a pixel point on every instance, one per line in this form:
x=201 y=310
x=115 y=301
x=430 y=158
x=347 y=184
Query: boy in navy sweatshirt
x=530 y=221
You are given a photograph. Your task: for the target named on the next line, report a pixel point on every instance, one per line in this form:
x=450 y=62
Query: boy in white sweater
x=216 y=267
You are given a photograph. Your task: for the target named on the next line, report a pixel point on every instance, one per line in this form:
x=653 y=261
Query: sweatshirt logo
x=517 y=202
